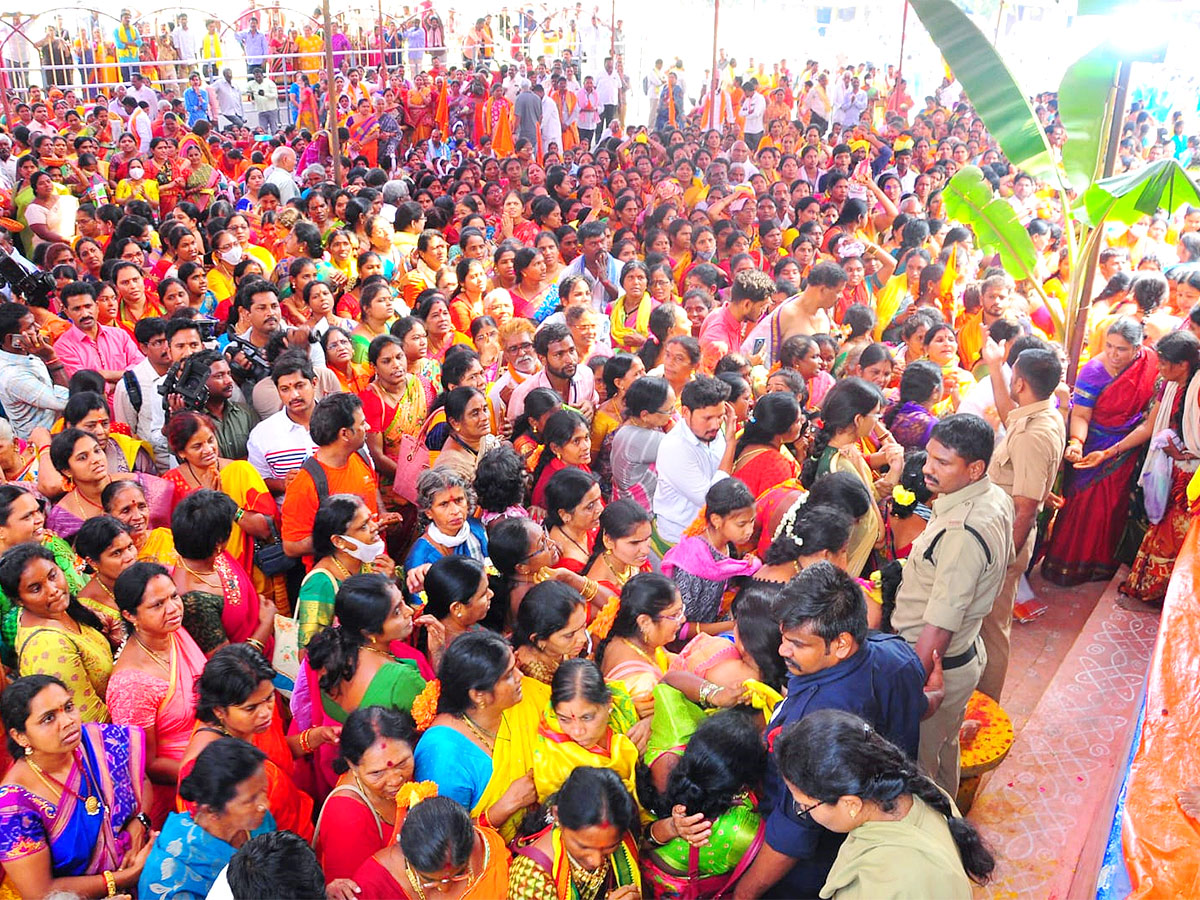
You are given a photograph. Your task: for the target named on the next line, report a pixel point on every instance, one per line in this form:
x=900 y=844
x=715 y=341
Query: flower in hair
x=903 y=495
x=424 y=706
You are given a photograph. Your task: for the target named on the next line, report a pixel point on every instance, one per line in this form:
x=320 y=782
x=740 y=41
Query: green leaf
x=1129 y=196
x=1083 y=105
x=992 y=90
x=969 y=199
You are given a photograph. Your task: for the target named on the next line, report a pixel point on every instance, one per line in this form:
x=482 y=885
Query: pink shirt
x=112 y=349
x=721 y=328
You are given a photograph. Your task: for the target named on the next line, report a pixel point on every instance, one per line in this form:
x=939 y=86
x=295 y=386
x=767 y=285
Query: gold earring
x=28 y=750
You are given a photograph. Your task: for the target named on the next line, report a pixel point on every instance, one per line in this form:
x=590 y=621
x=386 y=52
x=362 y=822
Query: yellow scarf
x=513 y=756
x=641 y=325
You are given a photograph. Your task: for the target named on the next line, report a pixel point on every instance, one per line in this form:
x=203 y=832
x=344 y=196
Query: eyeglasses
x=519 y=348
x=803 y=813
x=680 y=616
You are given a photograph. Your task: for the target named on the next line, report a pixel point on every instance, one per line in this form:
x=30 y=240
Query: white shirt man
x=754 y=107
x=279 y=173
x=551 y=124
x=608 y=86
x=229 y=100
x=278 y=446
x=142 y=91
x=185 y=43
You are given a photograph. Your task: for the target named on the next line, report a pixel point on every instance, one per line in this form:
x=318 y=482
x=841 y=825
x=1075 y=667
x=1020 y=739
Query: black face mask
x=145 y=245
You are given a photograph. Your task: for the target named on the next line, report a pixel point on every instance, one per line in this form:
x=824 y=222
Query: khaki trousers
x=939 y=733
x=996 y=629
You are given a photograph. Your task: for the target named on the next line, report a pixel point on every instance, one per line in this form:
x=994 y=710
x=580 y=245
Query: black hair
x=230 y=676
x=450 y=580
x=1043 y=371
x=826 y=600
x=723 y=758
x=457 y=400
x=645 y=594
x=545 y=609
x=566 y=489
x=846 y=401
x=62 y=447
x=616 y=367
x=589 y=797
x=704 y=391
x=365 y=726
x=758 y=632
x=362 y=605
x=874 y=353
x=774 y=414
x=576 y=678
x=549 y=334
x=538 y=402
x=218 y=770
x=845 y=490
x=815 y=529
x=795 y=382
x=333 y=517
x=968 y=435
x=618 y=520
x=331 y=416
x=647 y=394
x=12 y=567
x=278 y=864
x=500 y=479
x=130 y=587
x=559 y=429
x=437 y=833
x=662 y=317
x=727 y=496
x=475 y=661
x=378 y=343
x=859 y=319
x=292 y=362
x=918 y=384
x=830 y=754
x=912 y=479
x=15 y=703
x=96 y=534
x=202 y=522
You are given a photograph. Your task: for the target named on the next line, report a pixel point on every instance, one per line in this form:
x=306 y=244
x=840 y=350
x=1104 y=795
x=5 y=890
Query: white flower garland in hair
x=789 y=519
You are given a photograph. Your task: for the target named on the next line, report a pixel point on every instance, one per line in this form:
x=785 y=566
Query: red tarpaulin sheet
x=1162 y=845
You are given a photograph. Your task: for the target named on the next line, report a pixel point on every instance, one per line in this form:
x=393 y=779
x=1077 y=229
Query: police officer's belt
x=957 y=662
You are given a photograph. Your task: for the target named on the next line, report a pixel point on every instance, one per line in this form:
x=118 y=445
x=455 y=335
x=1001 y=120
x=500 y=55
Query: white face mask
x=364 y=553
x=233 y=255
x=136 y=172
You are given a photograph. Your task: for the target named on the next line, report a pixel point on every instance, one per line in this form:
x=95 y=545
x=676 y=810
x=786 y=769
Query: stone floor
x=1074 y=689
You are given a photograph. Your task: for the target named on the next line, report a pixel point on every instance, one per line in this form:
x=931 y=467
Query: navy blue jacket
x=882 y=683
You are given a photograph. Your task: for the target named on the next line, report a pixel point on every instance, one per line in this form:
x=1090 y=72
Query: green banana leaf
x=989 y=85
x=969 y=199
x=1129 y=196
x=1085 y=108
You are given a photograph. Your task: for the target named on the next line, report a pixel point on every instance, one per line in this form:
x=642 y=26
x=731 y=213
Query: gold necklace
x=104 y=587
x=487 y=738
x=622 y=576
x=91 y=803
x=586 y=881
x=203 y=576
x=153 y=655
x=345 y=572
x=640 y=652
x=416 y=882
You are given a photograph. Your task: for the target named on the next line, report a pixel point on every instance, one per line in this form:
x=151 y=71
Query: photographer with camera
x=184 y=337
x=89 y=345
x=136 y=398
x=259 y=300
x=33 y=382
x=202 y=382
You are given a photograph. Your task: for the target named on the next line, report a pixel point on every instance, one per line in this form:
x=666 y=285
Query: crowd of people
x=496 y=510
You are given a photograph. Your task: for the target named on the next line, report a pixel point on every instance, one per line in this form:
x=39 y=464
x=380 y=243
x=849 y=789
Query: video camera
x=35 y=286
x=257 y=367
x=187 y=378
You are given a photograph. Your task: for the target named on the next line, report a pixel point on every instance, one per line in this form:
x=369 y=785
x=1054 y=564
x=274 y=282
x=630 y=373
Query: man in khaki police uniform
x=953 y=575
x=1024 y=466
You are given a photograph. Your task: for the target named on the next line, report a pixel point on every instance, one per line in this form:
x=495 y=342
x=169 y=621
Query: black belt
x=957 y=662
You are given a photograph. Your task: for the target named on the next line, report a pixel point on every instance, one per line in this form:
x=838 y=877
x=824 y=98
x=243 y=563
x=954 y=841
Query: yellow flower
x=903 y=496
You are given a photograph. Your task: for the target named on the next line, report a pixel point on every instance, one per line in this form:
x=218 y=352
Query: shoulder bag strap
x=320 y=480
x=744 y=863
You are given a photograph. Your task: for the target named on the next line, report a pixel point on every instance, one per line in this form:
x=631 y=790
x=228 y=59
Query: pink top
x=721 y=328
x=112 y=349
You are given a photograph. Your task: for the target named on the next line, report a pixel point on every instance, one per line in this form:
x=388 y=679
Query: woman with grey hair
x=447 y=505
x=18 y=459
x=1111 y=397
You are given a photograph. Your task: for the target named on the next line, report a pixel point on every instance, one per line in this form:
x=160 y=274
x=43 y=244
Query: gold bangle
x=111 y=883
x=257 y=645
x=590 y=589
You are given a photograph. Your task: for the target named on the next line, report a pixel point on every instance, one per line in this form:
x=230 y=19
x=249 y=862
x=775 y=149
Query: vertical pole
x=612 y=31
x=1088 y=261
x=335 y=145
x=382 y=51
x=903 y=35
x=715 y=84
x=999 y=19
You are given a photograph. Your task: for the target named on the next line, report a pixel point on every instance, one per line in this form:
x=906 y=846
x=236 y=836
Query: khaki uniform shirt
x=957 y=565
x=1026 y=462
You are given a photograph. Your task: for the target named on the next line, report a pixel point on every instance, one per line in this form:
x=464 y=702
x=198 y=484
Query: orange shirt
x=300 y=502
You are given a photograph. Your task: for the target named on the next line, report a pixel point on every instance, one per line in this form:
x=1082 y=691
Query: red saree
x=1088 y=527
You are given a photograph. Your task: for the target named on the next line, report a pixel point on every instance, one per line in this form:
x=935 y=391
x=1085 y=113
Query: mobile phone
x=759 y=343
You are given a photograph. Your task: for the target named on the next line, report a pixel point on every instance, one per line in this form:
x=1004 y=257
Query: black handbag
x=269 y=557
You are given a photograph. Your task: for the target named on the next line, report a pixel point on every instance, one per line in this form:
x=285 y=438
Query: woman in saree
x=634 y=652
x=360 y=814
x=586 y=723
x=447 y=502
x=566 y=444
x=434 y=312
x=573 y=505
x=203 y=177
x=126 y=502
x=760 y=461
x=71 y=806
x=421 y=108
x=1112 y=394
x=192 y=438
x=349 y=665
x=235 y=697
x=466 y=304
x=619 y=373
x=910 y=419
x=1176 y=408
x=714 y=780
x=439 y=851
x=56 y=634
x=551 y=629
x=849 y=414
x=479 y=748
x=621 y=550
x=153 y=685
x=941 y=348
x=88 y=412
x=105 y=546
x=338 y=347
x=307 y=115
x=582 y=844
x=630 y=317
x=227 y=792
x=375 y=313
x=364 y=132
x=220 y=604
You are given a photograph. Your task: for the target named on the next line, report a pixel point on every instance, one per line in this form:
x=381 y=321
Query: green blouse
x=732 y=835
x=395 y=686
x=314 y=605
